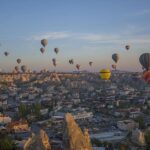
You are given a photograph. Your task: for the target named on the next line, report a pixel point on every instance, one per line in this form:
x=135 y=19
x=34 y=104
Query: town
x=115 y=112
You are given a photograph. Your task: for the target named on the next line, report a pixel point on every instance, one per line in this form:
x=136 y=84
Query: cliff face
x=138 y=137
x=38 y=142
x=78 y=140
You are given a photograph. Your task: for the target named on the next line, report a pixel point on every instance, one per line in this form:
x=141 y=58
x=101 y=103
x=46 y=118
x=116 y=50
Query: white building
x=83 y=115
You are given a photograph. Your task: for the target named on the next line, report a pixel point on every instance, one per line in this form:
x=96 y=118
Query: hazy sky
x=85 y=30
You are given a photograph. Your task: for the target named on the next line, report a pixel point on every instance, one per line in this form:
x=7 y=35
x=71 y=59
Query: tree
x=36 y=109
x=22 y=111
x=141 y=122
x=123 y=146
x=96 y=142
x=6 y=143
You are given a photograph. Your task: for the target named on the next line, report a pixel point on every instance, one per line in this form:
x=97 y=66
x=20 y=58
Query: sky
x=85 y=30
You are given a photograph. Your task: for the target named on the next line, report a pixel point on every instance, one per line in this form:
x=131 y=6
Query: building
x=127 y=125
x=4 y=119
x=18 y=126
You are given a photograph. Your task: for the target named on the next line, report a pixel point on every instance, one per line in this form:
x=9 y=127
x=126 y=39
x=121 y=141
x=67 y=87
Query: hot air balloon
x=16 y=68
x=42 y=50
x=44 y=42
x=18 y=60
x=78 y=66
x=105 y=74
x=71 y=61
x=90 y=63
x=6 y=53
x=115 y=57
x=24 y=68
x=146 y=76
x=114 y=66
x=54 y=62
x=127 y=47
x=56 y=50
x=145 y=60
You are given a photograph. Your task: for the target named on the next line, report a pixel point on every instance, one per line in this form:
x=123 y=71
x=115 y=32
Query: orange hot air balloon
x=146 y=76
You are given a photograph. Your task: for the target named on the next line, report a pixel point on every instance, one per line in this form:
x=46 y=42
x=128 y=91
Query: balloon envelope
x=6 y=53
x=17 y=68
x=127 y=47
x=78 y=66
x=18 y=60
x=24 y=68
x=115 y=57
x=145 y=60
x=105 y=74
x=71 y=61
x=146 y=76
x=44 y=42
x=42 y=50
x=56 y=50
x=90 y=63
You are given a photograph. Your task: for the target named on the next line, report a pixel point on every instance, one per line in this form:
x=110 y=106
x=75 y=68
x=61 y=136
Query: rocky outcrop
x=38 y=142
x=138 y=137
x=77 y=140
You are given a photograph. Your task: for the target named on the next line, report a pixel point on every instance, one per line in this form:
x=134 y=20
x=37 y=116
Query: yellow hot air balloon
x=105 y=74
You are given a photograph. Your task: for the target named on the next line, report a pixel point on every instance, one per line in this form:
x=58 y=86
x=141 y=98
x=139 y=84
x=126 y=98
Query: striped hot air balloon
x=145 y=61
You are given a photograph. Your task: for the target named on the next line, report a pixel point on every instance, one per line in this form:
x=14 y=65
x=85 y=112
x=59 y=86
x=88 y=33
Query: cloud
x=129 y=35
x=100 y=38
x=51 y=36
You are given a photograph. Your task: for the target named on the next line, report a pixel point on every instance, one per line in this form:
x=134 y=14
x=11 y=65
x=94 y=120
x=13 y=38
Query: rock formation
x=38 y=142
x=138 y=137
x=77 y=140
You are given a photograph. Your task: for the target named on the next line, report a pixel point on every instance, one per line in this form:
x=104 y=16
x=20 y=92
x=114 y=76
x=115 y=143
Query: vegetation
x=25 y=110
x=99 y=143
x=123 y=146
x=6 y=143
x=140 y=120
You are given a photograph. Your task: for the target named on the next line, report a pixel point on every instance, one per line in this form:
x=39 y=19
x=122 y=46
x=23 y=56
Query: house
x=4 y=119
x=127 y=125
x=18 y=126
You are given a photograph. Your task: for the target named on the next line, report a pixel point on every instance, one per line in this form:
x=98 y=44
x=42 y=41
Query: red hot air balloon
x=146 y=76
